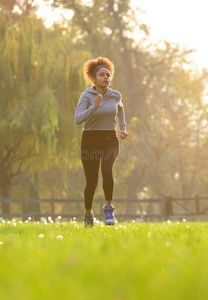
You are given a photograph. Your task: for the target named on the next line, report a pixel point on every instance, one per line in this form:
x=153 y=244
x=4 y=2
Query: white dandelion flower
x=41 y=236
x=59 y=237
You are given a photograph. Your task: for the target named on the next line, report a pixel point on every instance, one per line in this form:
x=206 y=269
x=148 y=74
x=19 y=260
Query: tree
x=18 y=8
x=41 y=71
x=36 y=77
x=154 y=81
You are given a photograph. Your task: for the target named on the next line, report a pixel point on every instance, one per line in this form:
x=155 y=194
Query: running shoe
x=109 y=215
x=89 y=222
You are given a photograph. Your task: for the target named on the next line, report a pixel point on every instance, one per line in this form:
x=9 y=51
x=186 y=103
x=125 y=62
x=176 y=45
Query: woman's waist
x=99 y=134
x=99 y=131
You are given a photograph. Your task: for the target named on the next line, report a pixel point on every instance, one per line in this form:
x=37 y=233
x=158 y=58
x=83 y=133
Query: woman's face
x=103 y=78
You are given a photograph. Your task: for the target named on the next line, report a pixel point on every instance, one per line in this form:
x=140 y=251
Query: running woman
x=99 y=107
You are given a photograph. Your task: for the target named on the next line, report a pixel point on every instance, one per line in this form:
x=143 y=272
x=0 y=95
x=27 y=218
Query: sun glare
x=51 y=15
x=183 y=22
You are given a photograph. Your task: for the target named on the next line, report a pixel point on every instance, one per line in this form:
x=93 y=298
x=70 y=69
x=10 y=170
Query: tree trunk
x=5 y=191
x=33 y=208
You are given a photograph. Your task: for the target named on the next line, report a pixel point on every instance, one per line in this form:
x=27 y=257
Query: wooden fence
x=126 y=209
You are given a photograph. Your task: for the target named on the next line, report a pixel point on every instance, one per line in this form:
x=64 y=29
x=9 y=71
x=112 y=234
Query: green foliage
x=41 y=82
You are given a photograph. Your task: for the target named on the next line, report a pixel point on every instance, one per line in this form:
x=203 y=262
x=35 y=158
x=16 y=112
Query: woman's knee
x=107 y=172
x=92 y=184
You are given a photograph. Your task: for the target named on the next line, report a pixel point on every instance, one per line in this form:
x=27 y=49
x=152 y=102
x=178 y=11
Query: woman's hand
x=123 y=133
x=98 y=99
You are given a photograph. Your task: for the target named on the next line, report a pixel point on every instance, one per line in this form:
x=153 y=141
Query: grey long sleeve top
x=103 y=117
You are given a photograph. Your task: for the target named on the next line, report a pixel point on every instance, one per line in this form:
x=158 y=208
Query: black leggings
x=96 y=146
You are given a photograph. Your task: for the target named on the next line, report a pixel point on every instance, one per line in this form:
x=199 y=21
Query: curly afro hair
x=93 y=65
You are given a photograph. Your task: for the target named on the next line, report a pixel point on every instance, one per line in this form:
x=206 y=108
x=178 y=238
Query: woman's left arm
x=121 y=120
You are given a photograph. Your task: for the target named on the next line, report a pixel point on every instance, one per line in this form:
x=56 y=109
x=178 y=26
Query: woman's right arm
x=83 y=111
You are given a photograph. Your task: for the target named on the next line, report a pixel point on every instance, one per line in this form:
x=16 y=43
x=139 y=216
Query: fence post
x=25 y=210
x=169 y=206
x=38 y=213
x=197 y=204
x=52 y=210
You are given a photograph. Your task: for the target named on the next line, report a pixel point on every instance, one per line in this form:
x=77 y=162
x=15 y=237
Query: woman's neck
x=100 y=90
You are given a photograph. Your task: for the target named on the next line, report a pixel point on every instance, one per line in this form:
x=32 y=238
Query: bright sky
x=181 y=21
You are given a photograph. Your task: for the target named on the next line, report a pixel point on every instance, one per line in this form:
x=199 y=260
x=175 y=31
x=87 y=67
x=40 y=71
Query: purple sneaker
x=109 y=215
x=89 y=222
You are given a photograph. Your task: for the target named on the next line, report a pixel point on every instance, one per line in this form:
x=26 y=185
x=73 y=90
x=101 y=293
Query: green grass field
x=123 y=262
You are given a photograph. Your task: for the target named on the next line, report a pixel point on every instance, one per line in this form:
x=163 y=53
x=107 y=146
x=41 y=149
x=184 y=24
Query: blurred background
x=160 y=72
